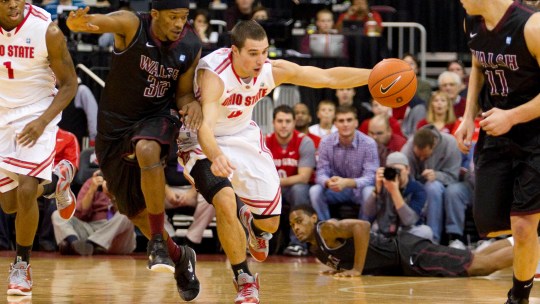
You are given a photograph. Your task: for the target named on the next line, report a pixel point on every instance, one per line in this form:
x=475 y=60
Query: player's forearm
x=361 y=243
x=66 y=93
x=208 y=142
x=525 y=112
x=184 y=100
x=345 y=77
x=476 y=81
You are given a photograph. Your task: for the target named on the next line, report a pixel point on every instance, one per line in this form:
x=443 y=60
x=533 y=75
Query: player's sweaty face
x=252 y=57
x=171 y=23
x=11 y=13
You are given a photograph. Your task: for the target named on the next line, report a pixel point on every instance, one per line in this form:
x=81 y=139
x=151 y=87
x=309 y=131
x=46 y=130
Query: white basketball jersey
x=25 y=75
x=238 y=98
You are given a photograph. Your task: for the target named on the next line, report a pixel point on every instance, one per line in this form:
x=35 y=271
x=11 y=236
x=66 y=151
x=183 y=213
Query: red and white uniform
x=27 y=88
x=255 y=179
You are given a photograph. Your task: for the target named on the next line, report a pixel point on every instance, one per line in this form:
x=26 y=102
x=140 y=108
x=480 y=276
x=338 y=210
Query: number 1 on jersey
x=7 y=64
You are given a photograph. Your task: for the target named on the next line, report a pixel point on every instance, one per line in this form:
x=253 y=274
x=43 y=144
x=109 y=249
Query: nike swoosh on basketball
x=384 y=90
x=149 y=45
x=472 y=35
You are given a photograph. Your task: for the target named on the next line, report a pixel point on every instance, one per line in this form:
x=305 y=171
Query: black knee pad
x=206 y=182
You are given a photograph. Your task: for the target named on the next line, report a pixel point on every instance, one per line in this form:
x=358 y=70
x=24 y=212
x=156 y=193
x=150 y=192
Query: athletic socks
x=23 y=253
x=238 y=269
x=174 y=250
x=157 y=222
x=521 y=289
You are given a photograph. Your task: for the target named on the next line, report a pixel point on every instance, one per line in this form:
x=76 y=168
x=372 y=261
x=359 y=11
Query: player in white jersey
x=229 y=83
x=33 y=56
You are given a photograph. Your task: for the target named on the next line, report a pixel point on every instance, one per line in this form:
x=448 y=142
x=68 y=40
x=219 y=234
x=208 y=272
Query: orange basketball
x=392 y=82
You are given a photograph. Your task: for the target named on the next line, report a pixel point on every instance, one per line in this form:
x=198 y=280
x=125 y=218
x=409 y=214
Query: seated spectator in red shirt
x=379 y=109
x=302 y=121
x=440 y=113
x=359 y=10
x=383 y=134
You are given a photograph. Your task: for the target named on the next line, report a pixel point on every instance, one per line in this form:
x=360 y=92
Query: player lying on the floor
x=351 y=249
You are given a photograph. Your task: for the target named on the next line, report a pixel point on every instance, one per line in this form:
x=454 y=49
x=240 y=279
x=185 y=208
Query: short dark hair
x=346 y=109
x=247 y=29
x=423 y=138
x=283 y=109
x=307 y=209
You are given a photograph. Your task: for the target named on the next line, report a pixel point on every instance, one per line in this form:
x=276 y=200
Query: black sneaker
x=186 y=280
x=158 y=255
x=512 y=300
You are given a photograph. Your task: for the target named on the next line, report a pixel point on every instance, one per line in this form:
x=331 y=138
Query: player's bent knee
x=147 y=150
x=268 y=224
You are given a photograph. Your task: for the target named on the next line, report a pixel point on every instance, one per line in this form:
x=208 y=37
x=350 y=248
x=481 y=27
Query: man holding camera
x=435 y=161
x=397 y=201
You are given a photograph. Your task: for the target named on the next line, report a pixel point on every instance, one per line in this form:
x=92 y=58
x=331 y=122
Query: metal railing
x=411 y=27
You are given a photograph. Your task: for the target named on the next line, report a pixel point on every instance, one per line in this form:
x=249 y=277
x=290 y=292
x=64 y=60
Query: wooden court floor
x=124 y=279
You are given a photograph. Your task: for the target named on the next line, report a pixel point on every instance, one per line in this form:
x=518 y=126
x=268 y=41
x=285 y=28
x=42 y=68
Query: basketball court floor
x=125 y=279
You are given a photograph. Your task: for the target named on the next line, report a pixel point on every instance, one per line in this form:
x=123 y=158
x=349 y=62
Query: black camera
x=390 y=173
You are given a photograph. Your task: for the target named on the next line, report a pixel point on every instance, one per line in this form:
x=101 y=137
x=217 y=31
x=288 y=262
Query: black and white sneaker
x=186 y=280
x=158 y=255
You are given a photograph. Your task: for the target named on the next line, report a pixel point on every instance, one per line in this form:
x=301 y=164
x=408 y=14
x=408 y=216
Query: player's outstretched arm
x=66 y=78
x=309 y=76
x=346 y=229
x=123 y=23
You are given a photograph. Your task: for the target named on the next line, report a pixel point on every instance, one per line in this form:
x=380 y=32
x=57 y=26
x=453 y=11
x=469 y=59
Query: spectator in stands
x=80 y=116
x=533 y=3
x=397 y=201
x=294 y=156
x=55 y=7
x=379 y=109
x=458 y=67
x=326 y=111
x=346 y=166
x=324 y=21
x=359 y=10
x=387 y=141
x=345 y=97
x=302 y=121
x=260 y=13
x=440 y=113
x=201 y=24
x=423 y=88
x=180 y=193
x=96 y=227
x=450 y=83
x=457 y=198
x=240 y=10
x=434 y=160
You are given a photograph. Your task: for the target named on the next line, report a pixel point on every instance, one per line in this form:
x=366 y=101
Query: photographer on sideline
x=397 y=201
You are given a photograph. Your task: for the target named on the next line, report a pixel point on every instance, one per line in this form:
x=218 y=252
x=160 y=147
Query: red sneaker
x=258 y=245
x=65 y=198
x=248 y=289
x=20 y=280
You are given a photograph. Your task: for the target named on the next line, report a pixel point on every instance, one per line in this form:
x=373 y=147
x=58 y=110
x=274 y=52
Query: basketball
x=392 y=82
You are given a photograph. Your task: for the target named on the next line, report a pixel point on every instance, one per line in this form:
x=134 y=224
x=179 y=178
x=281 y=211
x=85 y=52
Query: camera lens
x=390 y=173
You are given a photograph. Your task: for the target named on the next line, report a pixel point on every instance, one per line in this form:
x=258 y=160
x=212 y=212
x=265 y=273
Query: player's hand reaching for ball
x=221 y=166
x=79 y=21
